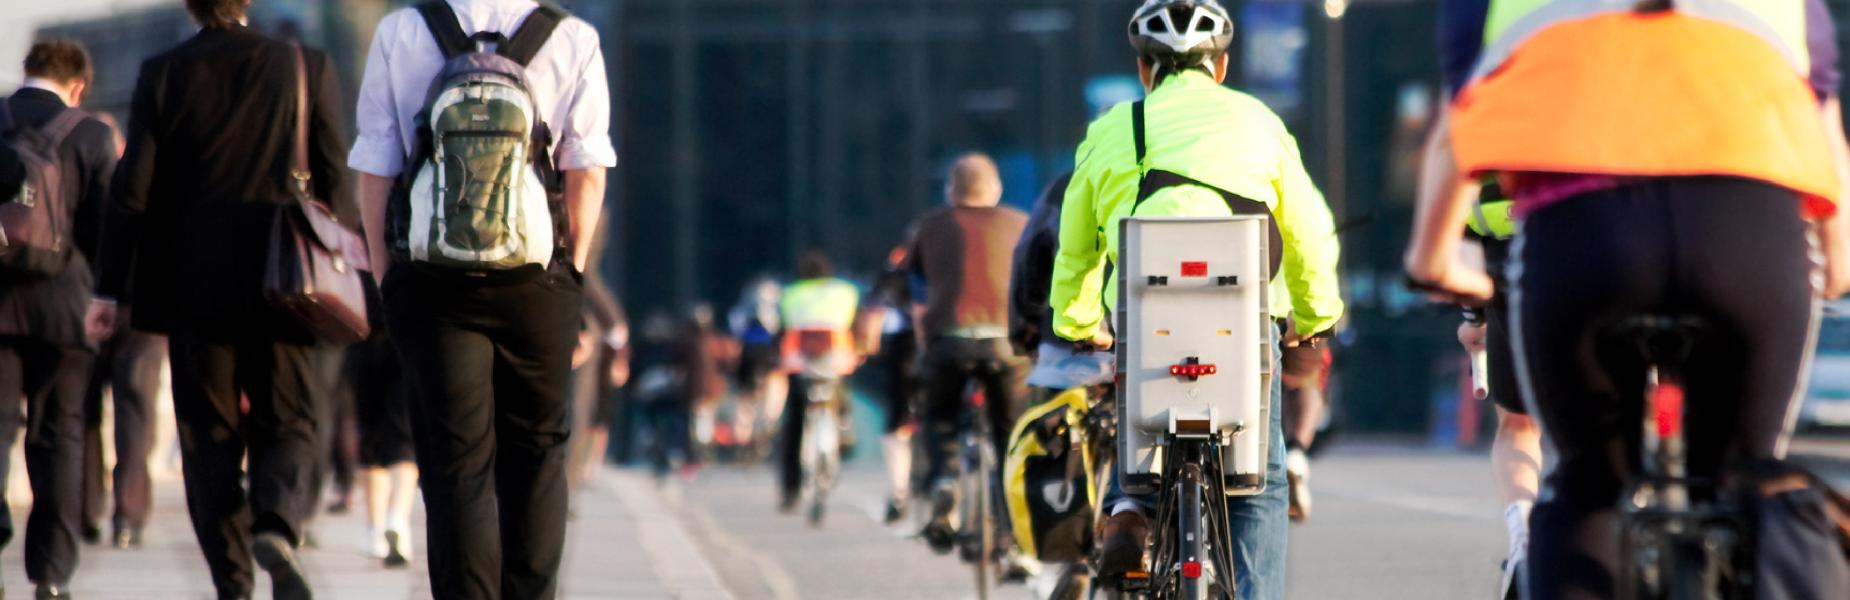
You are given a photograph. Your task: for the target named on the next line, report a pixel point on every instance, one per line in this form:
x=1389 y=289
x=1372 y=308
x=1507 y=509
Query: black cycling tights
x=1732 y=252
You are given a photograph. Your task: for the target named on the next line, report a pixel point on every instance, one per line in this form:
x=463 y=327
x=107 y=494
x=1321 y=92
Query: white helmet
x=1181 y=34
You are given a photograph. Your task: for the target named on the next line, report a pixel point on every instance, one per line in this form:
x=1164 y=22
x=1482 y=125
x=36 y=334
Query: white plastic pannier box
x=1194 y=343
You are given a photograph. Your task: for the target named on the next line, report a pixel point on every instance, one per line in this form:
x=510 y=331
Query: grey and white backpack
x=481 y=192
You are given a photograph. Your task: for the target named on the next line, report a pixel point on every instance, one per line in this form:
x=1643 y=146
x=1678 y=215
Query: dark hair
x=59 y=60
x=813 y=264
x=1653 y=6
x=217 y=13
x=1161 y=69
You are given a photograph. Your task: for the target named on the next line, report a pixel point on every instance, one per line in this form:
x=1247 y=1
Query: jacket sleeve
x=134 y=184
x=1311 y=247
x=1075 y=292
x=327 y=140
x=1031 y=272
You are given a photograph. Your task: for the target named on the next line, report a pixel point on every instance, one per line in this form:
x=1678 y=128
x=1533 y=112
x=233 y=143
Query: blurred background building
x=750 y=130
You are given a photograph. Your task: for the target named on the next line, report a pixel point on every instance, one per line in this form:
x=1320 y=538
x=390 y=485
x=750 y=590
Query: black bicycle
x=1684 y=537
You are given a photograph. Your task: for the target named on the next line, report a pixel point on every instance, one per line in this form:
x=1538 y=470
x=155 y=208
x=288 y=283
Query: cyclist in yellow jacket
x=1194 y=148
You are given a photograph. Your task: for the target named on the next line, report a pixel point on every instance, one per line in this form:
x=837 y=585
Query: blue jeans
x=1258 y=523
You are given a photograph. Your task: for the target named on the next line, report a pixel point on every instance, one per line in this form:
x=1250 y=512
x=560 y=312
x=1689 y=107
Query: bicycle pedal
x=1134 y=582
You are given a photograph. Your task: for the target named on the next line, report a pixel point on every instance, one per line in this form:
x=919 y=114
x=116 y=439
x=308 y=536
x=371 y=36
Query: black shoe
x=938 y=532
x=895 y=511
x=788 y=505
x=93 y=534
x=340 y=506
x=1121 y=548
x=52 y=591
x=126 y=538
x=394 y=558
x=277 y=556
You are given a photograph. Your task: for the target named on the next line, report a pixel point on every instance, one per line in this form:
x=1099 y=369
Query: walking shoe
x=126 y=538
x=377 y=545
x=1121 y=550
x=1018 y=568
x=395 y=554
x=788 y=504
x=1297 y=474
x=895 y=511
x=92 y=534
x=938 y=532
x=52 y=591
x=277 y=556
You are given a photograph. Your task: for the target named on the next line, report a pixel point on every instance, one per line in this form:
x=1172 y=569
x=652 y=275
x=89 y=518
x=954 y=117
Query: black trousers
x=489 y=364
x=278 y=434
x=1734 y=253
x=129 y=367
x=339 y=425
x=951 y=367
x=51 y=381
x=790 y=428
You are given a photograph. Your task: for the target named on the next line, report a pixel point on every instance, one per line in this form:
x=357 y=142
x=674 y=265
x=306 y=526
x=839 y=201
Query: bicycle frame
x=821 y=445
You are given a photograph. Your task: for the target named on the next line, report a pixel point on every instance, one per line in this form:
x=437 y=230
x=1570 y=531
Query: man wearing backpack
x=479 y=238
x=212 y=142
x=61 y=161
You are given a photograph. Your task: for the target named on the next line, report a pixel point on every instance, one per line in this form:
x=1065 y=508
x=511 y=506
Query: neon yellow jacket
x=827 y=303
x=1199 y=129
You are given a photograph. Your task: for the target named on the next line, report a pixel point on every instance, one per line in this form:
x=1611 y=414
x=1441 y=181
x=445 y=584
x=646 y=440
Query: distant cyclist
x=1057 y=367
x=961 y=254
x=818 y=312
x=1516 y=454
x=1664 y=157
x=888 y=317
x=1208 y=151
x=755 y=322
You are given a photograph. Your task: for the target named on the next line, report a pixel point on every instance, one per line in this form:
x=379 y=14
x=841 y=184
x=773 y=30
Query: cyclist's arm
x=1834 y=232
x=1076 y=292
x=1439 y=215
x=1311 y=247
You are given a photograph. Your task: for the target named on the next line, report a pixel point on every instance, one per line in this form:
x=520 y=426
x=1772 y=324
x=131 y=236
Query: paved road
x=1392 y=522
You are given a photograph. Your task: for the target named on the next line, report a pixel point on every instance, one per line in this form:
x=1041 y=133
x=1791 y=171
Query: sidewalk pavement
x=622 y=543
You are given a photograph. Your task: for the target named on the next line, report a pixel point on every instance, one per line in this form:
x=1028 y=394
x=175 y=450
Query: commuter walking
x=385 y=451
x=211 y=140
x=128 y=367
x=58 y=160
x=484 y=305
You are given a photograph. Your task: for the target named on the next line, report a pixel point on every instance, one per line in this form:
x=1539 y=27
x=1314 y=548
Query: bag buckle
x=301 y=179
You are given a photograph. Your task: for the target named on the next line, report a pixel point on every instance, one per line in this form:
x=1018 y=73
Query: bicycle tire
x=986 y=525
x=1188 y=525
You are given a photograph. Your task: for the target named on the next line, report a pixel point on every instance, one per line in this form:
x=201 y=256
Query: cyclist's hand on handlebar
x=1451 y=282
x=1100 y=342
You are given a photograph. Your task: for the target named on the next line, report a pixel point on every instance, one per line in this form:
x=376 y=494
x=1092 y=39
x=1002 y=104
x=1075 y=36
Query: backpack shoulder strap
x=443 y=24
x=1137 y=130
x=532 y=35
x=62 y=125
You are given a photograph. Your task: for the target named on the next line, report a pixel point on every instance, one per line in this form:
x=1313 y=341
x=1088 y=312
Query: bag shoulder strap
x=299 y=173
x=62 y=125
x=444 y=26
x=532 y=35
x=1137 y=130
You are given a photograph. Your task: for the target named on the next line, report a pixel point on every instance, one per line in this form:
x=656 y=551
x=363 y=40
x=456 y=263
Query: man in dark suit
x=44 y=353
x=206 y=169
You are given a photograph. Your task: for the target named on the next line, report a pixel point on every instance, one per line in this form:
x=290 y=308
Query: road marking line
x=672 y=553
x=782 y=585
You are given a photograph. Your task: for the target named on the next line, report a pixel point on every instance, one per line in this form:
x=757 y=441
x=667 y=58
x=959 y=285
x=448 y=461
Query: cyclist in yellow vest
x=1516 y=453
x=1195 y=148
x=1663 y=157
x=818 y=312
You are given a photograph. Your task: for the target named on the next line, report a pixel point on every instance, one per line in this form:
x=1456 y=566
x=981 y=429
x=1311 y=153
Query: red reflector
x=1667 y=404
x=1191 y=570
x=1195 y=370
x=1194 y=269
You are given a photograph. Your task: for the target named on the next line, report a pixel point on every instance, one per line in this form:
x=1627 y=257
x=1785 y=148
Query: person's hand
x=1447 y=279
x=100 y=319
x=1099 y=342
x=1471 y=336
x=587 y=345
x=619 y=373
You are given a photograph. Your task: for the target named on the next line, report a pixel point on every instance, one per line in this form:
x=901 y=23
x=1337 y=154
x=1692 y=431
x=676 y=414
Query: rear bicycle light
x=1193 y=369
x=1191 y=569
x=1667 y=408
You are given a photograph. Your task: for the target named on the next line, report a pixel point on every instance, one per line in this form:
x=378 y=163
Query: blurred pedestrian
x=755 y=322
x=484 y=306
x=128 y=367
x=386 y=454
x=208 y=166
x=661 y=390
x=57 y=151
x=602 y=343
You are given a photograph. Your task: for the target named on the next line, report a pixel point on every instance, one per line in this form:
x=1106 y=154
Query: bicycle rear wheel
x=1189 y=583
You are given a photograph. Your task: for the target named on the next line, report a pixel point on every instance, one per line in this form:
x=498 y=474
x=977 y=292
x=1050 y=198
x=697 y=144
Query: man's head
x=813 y=264
x=218 y=14
x=62 y=63
x=1172 y=36
x=974 y=181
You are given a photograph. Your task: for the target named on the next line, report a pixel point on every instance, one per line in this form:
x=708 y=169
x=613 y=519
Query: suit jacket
x=210 y=132
x=52 y=310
